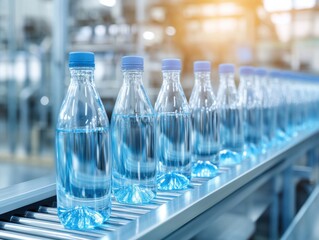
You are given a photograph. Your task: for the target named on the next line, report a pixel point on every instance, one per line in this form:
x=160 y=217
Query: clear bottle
x=83 y=157
x=268 y=108
x=231 y=118
x=173 y=130
x=279 y=98
x=293 y=98
x=250 y=97
x=205 y=123
x=133 y=138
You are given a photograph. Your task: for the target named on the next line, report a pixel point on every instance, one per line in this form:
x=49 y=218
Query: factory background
x=37 y=35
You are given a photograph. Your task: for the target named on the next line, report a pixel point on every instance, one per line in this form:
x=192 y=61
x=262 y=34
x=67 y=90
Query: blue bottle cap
x=202 y=66
x=81 y=59
x=260 y=72
x=171 y=64
x=132 y=63
x=226 y=68
x=246 y=70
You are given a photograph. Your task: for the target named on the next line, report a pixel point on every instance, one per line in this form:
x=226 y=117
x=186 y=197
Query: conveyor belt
x=168 y=212
x=44 y=223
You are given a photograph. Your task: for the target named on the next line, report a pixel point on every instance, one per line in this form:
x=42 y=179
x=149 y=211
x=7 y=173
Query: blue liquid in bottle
x=253 y=131
x=83 y=160
x=268 y=109
x=269 y=125
x=133 y=138
x=250 y=96
x=280 y=106
x=231 y=118
x=173 y=130
x=205 y=124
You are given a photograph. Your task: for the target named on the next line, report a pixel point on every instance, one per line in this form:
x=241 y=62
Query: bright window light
x=303 y=4
x=148 y=35
x=108 y=3
x=275 y=5
x=281 y=18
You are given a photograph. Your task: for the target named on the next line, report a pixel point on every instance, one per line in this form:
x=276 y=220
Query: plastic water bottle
x=133 y=139
x=83 y=157
x=173 y=130
x=231 y=118
x=205 y=123
x=250 y=97
x=279 y=97
x=268 y=108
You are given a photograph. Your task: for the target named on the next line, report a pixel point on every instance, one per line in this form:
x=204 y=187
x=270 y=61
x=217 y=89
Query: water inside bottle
x=83 y=179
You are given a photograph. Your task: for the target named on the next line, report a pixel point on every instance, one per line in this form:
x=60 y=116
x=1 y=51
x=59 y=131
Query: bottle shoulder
x=202 y=99
x=227 y=97
x=171 y=98
x=82 y=108
x=133 y=99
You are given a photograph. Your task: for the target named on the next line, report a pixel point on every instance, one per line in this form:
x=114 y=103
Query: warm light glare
x=108 y=3
x=275 y=5
x=227 y=9
x=281 y=18
x=284 y=33
x=303 y=4
x=287 y=5
x=148 y=35
x=170 y=31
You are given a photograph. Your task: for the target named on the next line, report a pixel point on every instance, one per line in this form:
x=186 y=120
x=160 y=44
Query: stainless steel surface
x=14 y=173
x=18 y=236
x=170 y=214
x=25 y=193
x=305 y=224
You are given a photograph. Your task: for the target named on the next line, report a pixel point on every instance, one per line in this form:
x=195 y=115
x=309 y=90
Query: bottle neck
x=247 y=80
x=82 y=74
x=227 y=79
x=132 y=76
x=262 y=81
x=171 y=76
x=202 y=77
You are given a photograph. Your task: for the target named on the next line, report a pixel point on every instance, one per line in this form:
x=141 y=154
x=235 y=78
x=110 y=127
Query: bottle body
x=281 y=107
x=173 y=134
x=133 y=143
x=268 y=109
x=231 y=121
x=250 y=96
x=269 y=125
x=205 y=127
x=83 y=155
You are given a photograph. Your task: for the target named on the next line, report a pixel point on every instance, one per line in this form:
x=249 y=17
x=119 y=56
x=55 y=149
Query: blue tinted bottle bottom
x=267 y=144
x=281 y=137
x=81 y=218
x=134 y=194
x=229 y=158
x=172 y=181
x=205 y=169
x=250 y=152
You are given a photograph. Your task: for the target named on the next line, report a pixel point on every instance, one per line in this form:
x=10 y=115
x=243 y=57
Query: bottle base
x=81 y=218
x=204 y=169
x=172 y=181
x=134 y=194
x=229 y=158
x=250 y=152
x=282 y=137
